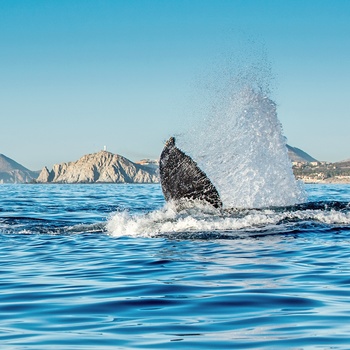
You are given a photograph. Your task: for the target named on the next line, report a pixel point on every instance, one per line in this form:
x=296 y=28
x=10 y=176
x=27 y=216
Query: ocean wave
x=30 y=225
x=206 y=222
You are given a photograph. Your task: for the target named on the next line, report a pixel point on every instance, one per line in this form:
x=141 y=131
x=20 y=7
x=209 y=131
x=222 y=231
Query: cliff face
x=13 y=172
x=99 y=167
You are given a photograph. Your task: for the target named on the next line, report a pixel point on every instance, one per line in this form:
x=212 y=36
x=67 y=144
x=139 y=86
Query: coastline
x=338 y=180
x=329 y=181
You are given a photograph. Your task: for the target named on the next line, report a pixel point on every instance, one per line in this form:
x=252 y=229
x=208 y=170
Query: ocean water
x=114 y=267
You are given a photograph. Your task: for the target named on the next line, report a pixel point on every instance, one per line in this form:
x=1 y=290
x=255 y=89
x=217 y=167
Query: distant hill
x=344 y=163
x=101 y=167
x=13 y=172
x=298 y=155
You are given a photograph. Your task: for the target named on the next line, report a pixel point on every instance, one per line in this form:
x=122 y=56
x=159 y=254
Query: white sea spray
x=242 y=149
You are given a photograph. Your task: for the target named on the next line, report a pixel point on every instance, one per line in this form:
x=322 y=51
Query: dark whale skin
x=181 y=178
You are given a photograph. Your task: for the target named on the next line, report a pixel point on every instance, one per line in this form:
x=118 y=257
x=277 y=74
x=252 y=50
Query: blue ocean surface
x=113 y=267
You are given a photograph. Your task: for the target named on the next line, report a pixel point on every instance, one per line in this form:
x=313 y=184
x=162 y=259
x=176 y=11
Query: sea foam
x=199 y=221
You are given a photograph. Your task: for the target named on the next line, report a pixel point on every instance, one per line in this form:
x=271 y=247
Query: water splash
x=205 y=222
x=242 y=150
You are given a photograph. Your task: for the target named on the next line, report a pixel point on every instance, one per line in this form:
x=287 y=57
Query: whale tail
x=181 y=178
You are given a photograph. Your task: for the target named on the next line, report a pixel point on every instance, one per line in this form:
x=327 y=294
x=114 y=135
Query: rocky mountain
x=101 y=167
x=298 y=155
x=12 y=172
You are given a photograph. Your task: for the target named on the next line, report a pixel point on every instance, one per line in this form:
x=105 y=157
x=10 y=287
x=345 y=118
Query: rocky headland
x=101 y=167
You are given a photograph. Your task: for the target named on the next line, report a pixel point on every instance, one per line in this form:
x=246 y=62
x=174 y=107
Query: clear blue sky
x=78 y=75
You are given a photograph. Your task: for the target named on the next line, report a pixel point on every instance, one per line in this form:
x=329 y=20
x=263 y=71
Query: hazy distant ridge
x=13 y=172
x=298 y=155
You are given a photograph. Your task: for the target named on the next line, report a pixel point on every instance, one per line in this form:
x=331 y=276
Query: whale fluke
x=181 y=178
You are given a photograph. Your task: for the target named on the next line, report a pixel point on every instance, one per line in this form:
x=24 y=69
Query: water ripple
x=67 y=282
